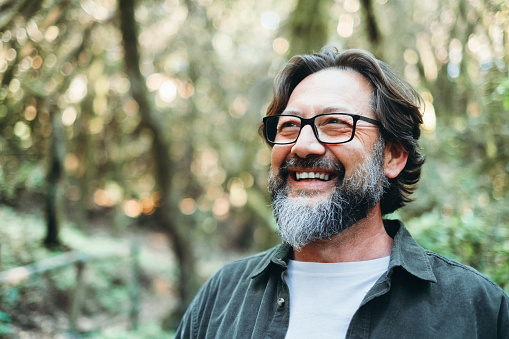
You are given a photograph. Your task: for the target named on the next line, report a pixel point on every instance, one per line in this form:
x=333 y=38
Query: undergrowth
x=40 y=305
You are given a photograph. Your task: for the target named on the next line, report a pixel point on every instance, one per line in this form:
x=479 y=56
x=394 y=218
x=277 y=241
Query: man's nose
x=307 y=144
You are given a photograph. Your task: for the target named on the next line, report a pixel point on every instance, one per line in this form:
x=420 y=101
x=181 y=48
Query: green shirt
x=422 y=295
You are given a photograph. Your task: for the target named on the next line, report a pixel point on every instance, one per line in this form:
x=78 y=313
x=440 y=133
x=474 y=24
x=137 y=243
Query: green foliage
x=465 y=239
x=503 y=93
x=21 y=238
x=11 y=296
x=108 y=281
x=110 y=288
x=5 y=322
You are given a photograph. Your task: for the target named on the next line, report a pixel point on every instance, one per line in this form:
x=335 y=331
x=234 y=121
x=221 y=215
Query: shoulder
x=460 y=277
x=246 y=267
x=453 y=268
x=443 y=280
x=444 y=273
x=235 y=274
x=250 y=262
x=447 y=293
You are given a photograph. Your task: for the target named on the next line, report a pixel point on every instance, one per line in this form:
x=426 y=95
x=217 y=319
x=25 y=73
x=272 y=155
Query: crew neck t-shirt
x=325 y=296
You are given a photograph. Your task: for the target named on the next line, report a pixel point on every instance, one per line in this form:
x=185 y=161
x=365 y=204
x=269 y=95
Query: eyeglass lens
x=330 y=128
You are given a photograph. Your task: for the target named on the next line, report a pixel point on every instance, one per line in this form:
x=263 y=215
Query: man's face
x=347 y=180
x=330 y=90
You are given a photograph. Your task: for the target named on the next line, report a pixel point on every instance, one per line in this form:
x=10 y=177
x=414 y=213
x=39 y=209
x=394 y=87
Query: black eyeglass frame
x=311 y=122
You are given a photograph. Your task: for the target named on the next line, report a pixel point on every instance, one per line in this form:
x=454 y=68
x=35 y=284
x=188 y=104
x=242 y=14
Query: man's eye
x=335 y=121
x=288 y=124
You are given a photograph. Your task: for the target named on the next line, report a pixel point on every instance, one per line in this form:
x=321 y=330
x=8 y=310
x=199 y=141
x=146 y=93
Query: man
x=343 y=130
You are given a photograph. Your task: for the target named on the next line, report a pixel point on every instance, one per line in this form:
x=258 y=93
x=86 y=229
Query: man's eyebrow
x=328 y=109
x=291 y=112
x=336 y=109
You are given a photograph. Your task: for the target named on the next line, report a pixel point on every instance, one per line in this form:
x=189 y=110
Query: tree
x=54 y=176
x=167 y=212
x=309 y=26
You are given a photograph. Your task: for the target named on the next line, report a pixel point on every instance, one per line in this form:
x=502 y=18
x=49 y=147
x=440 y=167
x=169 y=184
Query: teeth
x=311 y=175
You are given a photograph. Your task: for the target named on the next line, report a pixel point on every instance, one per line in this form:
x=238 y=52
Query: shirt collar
x=276 y=257
x=405 y=253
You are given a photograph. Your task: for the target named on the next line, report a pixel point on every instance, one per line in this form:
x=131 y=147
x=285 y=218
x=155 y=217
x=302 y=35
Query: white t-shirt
x=325 y=296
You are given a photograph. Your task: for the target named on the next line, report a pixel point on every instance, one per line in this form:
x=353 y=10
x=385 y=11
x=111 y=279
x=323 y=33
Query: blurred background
x=130 y=164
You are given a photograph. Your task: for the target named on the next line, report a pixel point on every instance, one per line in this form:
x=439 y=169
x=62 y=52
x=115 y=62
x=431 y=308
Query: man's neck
x=365 y=240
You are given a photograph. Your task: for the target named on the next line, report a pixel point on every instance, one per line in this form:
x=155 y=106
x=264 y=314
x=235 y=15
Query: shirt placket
x=281 y=319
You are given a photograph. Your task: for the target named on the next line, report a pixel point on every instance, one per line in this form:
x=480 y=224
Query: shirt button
x=281 y=302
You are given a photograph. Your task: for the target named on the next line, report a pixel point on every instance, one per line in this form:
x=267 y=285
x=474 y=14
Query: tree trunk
x=308 y=26
x=167 y=212
x=57 y=152
x=372 y=30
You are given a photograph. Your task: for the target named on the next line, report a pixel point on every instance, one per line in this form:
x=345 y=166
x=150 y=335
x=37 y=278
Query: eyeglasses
x=329 y=128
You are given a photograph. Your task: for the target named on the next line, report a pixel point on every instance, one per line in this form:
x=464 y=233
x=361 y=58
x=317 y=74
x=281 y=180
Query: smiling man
x=343 y=128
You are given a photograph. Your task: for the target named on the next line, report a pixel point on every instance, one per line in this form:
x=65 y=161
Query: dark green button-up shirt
x=422 y=295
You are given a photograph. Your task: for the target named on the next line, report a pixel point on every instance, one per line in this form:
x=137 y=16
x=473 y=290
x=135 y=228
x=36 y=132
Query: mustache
x=328 y=164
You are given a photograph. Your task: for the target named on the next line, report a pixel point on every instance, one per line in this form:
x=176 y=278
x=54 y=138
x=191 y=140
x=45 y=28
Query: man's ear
x=395 y=157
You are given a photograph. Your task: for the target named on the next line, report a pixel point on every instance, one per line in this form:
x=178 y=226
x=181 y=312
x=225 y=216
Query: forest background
x=133 y=125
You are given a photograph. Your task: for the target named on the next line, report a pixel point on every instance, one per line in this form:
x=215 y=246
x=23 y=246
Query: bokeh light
x=345 y=25
x=280 y=46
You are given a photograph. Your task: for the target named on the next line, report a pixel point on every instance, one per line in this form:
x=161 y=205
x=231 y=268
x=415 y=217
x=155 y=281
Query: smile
x=311 y=175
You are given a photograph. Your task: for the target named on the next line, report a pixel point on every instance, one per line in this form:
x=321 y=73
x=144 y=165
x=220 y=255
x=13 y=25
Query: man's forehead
x=331 y=90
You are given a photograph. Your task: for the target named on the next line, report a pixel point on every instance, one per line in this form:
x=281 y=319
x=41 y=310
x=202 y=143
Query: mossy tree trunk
x=372 y=30
x=54 y=176
x=309 y=22
x=167 y=213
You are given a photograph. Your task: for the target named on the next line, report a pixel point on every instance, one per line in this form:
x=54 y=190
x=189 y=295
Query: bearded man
x=344 y=132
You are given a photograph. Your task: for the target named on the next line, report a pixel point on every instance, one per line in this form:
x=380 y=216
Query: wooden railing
x=15 y=276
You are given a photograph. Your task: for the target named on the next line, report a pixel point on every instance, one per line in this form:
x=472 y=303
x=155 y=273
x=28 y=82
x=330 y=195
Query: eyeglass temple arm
x=372 y=121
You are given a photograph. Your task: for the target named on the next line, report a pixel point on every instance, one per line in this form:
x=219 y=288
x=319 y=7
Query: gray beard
x=302 y=220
